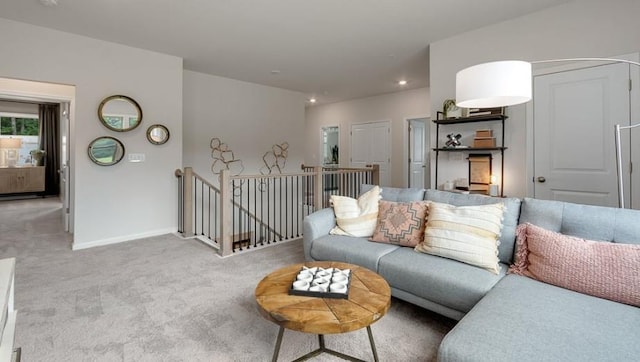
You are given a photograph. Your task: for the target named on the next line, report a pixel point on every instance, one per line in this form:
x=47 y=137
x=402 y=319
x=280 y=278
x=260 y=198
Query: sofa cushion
x=601 y=269
x=356 y=217
x=511 y=215
x=359 y=251
x=465 y=233
x=396 y=193
x=521 y=319
x=584 y=221
x=444 y=281
x=400 y=223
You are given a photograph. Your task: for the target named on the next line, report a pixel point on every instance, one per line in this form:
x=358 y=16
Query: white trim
x=529 y=150
x=121 y=239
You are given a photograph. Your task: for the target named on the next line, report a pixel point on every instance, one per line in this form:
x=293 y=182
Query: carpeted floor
x=168 y=299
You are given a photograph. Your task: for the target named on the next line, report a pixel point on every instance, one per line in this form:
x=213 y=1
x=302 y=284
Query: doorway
x=418 y=160
x=64 y=95
x=574 y=116
x=330 y=141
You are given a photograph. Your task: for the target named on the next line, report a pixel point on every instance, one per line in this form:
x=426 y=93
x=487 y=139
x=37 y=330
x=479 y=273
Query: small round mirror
x=120 y=113
x=106 y=151
x=158 y=134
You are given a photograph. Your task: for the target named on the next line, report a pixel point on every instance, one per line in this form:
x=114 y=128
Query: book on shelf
x=471 y=112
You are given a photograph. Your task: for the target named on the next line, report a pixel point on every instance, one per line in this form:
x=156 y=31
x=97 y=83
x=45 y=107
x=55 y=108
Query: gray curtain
x=50 y=143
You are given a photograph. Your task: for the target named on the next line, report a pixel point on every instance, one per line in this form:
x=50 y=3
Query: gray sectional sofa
x=501 y=317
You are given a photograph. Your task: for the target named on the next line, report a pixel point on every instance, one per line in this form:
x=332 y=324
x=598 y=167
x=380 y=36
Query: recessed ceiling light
x=312 y=100
x=402 y=82
x=275 y=72
x=49 y=2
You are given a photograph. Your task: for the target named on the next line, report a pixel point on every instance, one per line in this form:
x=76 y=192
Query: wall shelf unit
x=474 y=119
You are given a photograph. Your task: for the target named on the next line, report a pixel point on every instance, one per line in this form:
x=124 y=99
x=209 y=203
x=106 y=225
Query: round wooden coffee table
x=369 y=299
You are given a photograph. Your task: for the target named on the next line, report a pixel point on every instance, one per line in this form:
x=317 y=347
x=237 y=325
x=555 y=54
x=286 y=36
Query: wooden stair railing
x=239 y=203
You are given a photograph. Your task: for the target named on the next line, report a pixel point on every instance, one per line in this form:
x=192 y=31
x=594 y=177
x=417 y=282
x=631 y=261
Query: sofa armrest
x=316 y=225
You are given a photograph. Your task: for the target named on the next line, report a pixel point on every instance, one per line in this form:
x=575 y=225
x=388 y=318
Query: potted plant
x=450 y=109
x=37 y=157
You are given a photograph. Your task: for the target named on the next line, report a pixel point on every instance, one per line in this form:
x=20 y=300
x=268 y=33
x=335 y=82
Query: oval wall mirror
x=106 y=151
x=158 y=134
x=120 y=113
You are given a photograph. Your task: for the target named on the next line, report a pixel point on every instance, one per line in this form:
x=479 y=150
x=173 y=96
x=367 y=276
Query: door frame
x=52 y=93
x=321 y=154
x=634 y=104
x=427 y=144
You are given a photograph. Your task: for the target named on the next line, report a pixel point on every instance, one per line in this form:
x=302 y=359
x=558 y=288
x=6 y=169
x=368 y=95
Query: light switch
x=136 y=157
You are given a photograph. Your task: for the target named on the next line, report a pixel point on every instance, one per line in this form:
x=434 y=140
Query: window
x=19 y=124
x=26 y=127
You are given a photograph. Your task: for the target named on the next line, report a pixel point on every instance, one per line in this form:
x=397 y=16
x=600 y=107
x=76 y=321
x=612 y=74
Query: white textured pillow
x=465 y=233
x=356 y=217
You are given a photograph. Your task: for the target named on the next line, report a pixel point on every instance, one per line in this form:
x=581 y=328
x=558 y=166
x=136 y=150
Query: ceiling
x=332 y=50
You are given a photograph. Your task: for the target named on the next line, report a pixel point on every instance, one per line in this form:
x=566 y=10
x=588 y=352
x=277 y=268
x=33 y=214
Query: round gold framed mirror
x=158 y=134
x=106 y=151
x=120 y=113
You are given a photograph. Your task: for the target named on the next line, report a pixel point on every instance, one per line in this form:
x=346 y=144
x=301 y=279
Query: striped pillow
x=356 y=217
x=464 y=233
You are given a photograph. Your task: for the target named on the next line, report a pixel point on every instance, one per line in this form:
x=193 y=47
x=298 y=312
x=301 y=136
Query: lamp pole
x=619 y=162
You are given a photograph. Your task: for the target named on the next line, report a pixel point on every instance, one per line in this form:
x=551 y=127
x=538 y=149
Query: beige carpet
x=167 y=299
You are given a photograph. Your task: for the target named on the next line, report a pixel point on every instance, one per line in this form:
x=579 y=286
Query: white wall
x=249 y=118
x=580 y=29
x=396 y=107
x=128 y=200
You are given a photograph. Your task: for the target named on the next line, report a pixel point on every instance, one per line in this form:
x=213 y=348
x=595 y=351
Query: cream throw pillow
x=468 y=234
x=356 y=217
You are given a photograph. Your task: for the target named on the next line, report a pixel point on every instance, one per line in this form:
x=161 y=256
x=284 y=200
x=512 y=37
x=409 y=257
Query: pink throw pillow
x=602 y=269
x=400 y=223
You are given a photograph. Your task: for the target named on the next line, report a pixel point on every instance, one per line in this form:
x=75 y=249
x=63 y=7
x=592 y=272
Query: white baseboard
x=121 y=239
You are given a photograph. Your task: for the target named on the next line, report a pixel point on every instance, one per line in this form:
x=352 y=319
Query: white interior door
x=370 y=144
x=417 y=152
x=574 y=117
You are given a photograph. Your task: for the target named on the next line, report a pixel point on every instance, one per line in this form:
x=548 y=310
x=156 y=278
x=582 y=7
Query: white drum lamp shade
x=494 y=84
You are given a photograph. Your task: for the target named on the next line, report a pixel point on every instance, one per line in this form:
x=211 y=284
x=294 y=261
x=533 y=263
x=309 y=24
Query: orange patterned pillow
x=605 y=270
x=400 y=223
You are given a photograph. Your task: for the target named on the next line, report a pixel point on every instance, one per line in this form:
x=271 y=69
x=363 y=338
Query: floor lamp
x=509 y=82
